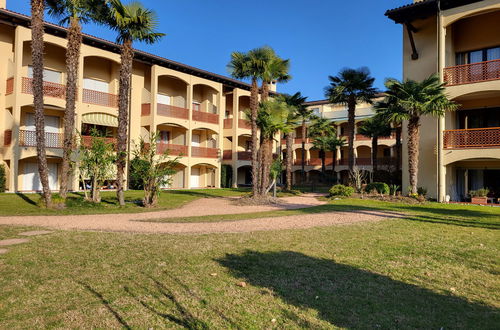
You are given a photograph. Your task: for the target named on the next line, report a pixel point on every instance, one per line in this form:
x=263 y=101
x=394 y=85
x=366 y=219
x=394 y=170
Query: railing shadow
x=349 y=297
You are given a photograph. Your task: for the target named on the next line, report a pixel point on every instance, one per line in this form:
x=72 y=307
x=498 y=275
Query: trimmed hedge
x=226 y=176
x=380 y=187
x=341 y=190
x=3 y=179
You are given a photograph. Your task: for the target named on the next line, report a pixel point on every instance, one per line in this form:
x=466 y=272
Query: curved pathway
x=200 y=207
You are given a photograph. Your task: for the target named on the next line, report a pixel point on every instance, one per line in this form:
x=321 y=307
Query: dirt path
x=200 y=207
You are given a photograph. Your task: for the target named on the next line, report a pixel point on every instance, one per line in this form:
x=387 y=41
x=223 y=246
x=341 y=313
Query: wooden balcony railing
x=344 y=162
x=360 y=137
x=471 y=73
x=204 y=152
x=206 y=117
x=172 y=111
x=243 y=123
x=173 y=149
x=100 y=98
x=7 y=137
x=244 y=155
x=227 y=154
x=52 y=140
x=86 y=140
x=471 y=138
x=50 y=89
x=145 y=109
x=9 y=88
x=228 y=123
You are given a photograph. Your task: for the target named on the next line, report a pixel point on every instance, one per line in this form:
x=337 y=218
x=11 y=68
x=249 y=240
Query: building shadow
x=349 y=297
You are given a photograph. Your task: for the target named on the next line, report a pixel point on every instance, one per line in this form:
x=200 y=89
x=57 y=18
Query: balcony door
x=51 y=123
x=194 y=181
x=163 y=99
x=31 y=177
x=96 y=85
x=48 y=75
x=195 y=141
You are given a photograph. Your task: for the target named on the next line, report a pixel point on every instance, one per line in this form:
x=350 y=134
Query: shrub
x=483 y=192
x=226 y=176
x=341 y=190
x=380 y=187
x=2 y=178
x=393 y=189
x=421 y=191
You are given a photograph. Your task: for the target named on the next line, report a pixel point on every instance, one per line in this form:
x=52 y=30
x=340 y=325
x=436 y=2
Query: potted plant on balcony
x=479 y=196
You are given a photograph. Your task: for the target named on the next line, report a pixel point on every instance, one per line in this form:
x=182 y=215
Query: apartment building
x=459 y=40
x=198 y=114
x=337 y=113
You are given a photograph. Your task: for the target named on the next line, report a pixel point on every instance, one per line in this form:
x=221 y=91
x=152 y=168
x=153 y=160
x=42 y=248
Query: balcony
x=206 y=117
x=472 y=138
x=472 y=73
x=7 y=137
x=9 y=87
x=145 y=109
x=204 y=152
x=244 y=155
x=52 y=140
x=50 y=89
x=172 y=111
x=173 y=149
x=228 y=123
x=100 y=98
x=227 y=155
x=243 y=123
x=87 y=141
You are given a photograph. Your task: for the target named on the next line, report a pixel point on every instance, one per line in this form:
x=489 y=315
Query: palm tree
x=375 y=128
x=73 y=13
x=251 y=66
x=384 y=112
x=321 y=130
x=271 y=119
x=321 y=143
x=275 y=70
x=350 y=87
x=37 y=50
x=132 y=22
x=411 y=100
x=304 y=114
x=333 y=144
x=294 y=102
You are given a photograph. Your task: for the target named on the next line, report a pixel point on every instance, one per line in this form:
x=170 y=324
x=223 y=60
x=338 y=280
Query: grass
x=456 y=214
x=398 y=273
x=26 y=204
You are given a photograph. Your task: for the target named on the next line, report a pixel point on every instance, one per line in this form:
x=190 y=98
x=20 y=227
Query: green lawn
x=437 y=269
x=26 y=204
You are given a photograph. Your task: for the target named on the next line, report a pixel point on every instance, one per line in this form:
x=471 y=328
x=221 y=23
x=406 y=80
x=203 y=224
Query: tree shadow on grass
x=349 y=297
x=26 y=198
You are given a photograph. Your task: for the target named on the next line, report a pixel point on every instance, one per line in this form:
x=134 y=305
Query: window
x=164 y=137
x=480 y=55
x=163 y=99
x=96 y=85
x=48 y=75
x=196 y=106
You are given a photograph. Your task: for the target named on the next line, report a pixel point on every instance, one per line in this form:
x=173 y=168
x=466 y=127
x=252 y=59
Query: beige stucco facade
x=461 y=151
x=198 y=114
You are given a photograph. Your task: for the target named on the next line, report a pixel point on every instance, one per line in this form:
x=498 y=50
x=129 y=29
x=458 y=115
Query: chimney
x=272 y=85
x=3 y=4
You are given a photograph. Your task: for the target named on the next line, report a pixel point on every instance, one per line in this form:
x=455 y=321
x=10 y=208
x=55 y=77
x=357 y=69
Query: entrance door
x=195 y=178
x=31 y=178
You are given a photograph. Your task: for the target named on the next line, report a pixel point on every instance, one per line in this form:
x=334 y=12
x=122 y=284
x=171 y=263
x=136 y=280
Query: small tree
x=2 y=178
x=155 y=171
x=274 y=173
x=358 y=177
x=96 y=163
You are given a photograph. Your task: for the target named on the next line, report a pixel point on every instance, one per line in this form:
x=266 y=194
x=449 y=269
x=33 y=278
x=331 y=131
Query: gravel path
x=200 y=207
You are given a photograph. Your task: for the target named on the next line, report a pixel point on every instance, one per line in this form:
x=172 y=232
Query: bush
x=394 y=189
x=380 y=187
x=341 y=190
x=483 y=192
x=421 y=191
x=2 y=178
x=226 y=176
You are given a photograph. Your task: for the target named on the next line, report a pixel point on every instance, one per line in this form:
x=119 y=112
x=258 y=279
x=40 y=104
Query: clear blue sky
x=319 y=36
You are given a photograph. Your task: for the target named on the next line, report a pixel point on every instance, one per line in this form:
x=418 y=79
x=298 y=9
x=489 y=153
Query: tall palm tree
x=294 y=102
x=73 y=13
x=320 y=131
x=37 y=50
x=385 y=111
x=132 y=22
x=321 y=143
x=276 y=69
x=271 y=119
x=375 y=128
x=304 y=114
x=251 y=66
x=411 y=100
x=350 y=87
x=333 y=144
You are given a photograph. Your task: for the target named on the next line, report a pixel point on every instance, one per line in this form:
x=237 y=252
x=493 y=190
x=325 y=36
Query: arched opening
x=364 y=156
x=102 y=124
x=204 y=143
x=244 y=108
x=244 y=147
x=205 y=104
x=173 y=139
x=100 y=81
x=29 y=179
x=53 y=117
x=177 y=180
x=203 y=176
x=244 y=176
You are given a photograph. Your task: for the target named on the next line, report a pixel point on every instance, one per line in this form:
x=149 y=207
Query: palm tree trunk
x=123 y=104
x=323 y=163
x=374 y=154
x=303 y=150
x=37 y=49
x=351 y=116
x=398 y=148
x=289 y=160
x=254 y=103
x=265 y=91
x=334 y=160
x=72 y=63
x=413 y=144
